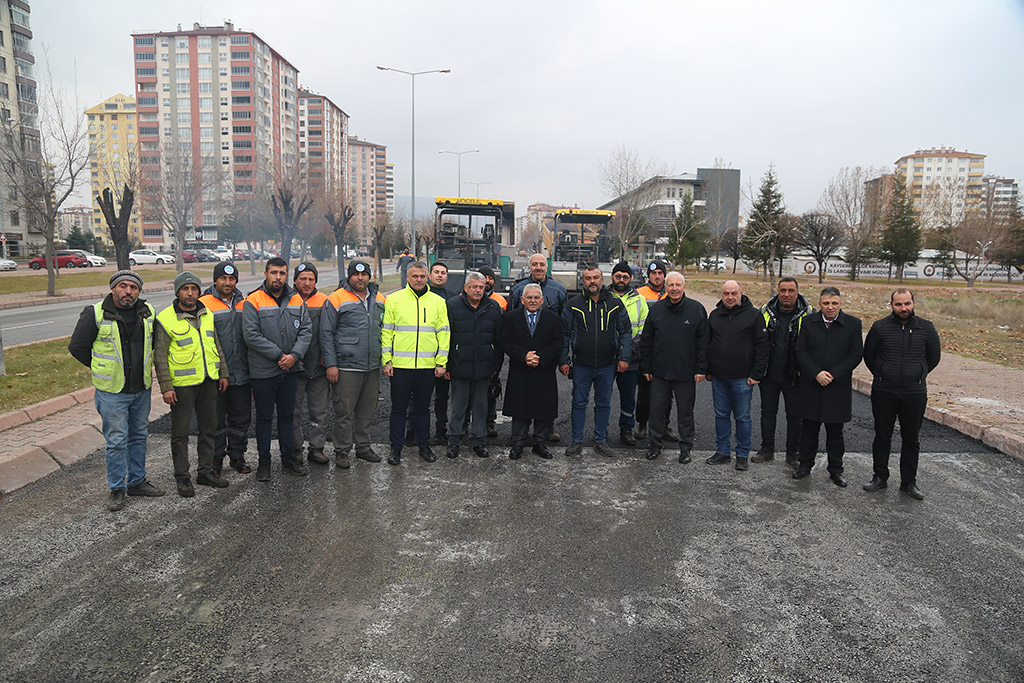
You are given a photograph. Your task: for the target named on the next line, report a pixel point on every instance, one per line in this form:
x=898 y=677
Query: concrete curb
x=995 y=437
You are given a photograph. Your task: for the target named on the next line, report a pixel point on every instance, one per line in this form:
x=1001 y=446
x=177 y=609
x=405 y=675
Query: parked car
x=223 y=254
x=350 y=253
x=8 y=264
x=207 y=256
x=148 y=256
x=241 y=255
x=64 y=259
x=188 y=256
x=709 y=264
x=93 y=259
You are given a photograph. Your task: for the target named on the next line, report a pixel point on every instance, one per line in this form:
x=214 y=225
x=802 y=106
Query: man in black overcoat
x=532 y=338
x=828 y=348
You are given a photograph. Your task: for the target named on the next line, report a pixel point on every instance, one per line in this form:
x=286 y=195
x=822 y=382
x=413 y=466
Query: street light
x=478 y=184
x=458 y=189
x=413 y=75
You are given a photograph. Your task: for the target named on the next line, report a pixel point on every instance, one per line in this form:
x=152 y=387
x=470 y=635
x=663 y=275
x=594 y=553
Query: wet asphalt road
x=565 y=570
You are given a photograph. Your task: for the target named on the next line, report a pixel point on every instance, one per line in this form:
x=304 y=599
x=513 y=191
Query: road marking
x=18 y=327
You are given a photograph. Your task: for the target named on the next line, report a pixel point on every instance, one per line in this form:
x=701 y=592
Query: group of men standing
x=216 y=353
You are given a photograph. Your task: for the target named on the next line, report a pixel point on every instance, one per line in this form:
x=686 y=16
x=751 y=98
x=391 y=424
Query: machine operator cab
x=469 y=233
x=579 y=236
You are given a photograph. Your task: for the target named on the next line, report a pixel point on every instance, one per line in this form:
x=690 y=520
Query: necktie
x=533 y=322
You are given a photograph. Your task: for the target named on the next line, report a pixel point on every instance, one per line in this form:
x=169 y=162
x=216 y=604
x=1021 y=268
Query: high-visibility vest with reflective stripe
x=107 y=364
x=415 y=332
x=636 y=307
x=192 y=356
x=649 y=294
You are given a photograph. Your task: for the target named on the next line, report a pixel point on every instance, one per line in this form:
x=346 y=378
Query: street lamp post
x=412 y=75
x=458 y=189
x=478 y=184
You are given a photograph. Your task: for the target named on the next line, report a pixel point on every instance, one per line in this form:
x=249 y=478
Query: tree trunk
x=821 y=272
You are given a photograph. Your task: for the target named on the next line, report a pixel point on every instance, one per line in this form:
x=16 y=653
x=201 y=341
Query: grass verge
x=37 y=372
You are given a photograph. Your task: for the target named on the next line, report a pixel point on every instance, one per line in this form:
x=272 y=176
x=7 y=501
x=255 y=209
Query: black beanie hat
x=303 y=267
x=225 y=268
x=358 y=267
x=657 y=264
x=622 y=267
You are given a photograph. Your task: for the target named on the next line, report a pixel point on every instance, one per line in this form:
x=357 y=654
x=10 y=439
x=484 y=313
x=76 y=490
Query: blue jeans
x=732 y=397
x=582 y=379
x=626 y=381
x=125 y=429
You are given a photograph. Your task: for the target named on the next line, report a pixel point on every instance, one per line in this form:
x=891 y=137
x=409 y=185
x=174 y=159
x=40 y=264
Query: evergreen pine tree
x=900 y=241
x=765 y=235
x=689 y=238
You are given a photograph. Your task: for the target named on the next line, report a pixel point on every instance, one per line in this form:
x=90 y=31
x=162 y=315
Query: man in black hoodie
x=900 y=350
x=673 y=358
x=598 y=340
x=737 y=360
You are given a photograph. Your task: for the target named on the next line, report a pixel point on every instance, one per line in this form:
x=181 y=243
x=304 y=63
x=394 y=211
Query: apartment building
x=73 y=217
x=113 y=161
x=323 y=142
x=19 y=116
x=929 y=173
x=367 y=185
x=225 y=105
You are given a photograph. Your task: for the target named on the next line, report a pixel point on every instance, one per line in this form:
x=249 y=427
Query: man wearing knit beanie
x=234 y=406
x=188 y=357
x=636 y=307
x=114 y=337
x=312 y=378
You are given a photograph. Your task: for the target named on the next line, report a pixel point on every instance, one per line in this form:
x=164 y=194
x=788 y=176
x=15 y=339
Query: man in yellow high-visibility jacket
x=190 y=372
x=414 y=350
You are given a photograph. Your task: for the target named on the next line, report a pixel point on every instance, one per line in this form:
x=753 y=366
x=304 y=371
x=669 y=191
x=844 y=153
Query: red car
x=65 y=259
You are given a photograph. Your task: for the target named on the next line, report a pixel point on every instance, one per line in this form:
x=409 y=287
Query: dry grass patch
x=37 y=372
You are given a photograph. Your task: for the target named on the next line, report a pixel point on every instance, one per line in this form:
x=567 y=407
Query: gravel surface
x=476 y=569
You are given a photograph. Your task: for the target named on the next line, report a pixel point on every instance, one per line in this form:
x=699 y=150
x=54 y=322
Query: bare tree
x=627 y=178
x=177 y=188
x=732 y=245
x=718 y=211
x=338 y=213
x=381 y=226
x=858 y=213
x=117 y=222
x=43 y=156
x=291 y=199
x=123 y=183
x=964 y=228
x=822 y=236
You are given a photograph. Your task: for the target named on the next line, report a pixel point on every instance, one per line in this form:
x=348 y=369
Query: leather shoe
x=452 y=452
x=742 y=464
x=241 y=466
x=627 y=438
x=601 y=448
x=838 y=479
x=396 y=456
x=263 y=471
x=341 y=461
x=368 y=456
x=481 y=452
x=575 y=449
x=719 y=459
x=210 y=480
x=684 y=457
x=542 y=451
x=116 y=500
x=317 y=456
x=427 y=454
x=640 y=432
x=554 y=437
x=912 y=491
x=653 y=452
x=184 y=486
x=144 y=488
x=299 y=469
x=875 y=484
x=802 y=472
x=670 y=435
x=515 y=453
x=763 y=455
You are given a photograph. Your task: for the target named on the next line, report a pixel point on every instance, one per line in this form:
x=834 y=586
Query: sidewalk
x=981 y=400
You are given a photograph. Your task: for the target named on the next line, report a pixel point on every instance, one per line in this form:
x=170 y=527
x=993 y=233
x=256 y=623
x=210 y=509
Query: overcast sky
x=547 y=89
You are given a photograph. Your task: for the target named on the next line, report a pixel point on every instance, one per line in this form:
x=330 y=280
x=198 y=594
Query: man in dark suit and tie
x=532 y=338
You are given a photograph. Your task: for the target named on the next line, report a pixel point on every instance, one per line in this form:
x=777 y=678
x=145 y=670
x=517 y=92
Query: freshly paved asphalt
x=579 y=569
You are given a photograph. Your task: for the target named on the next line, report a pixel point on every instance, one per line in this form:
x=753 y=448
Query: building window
x=145 y=56
x=205 y=72
x=241 y=99
x=239 y=40
x=241 y=115
x=183 y=103
x=181 y=74
x=152 y=232
x=182 y=43
x=3 y=64
x=242 y=130
x=146 y=72
x=205 y=58
x=240 y=85
x=182 y=88
x=242 y=144
x=181 y=58
x=240 y=71
x=241 y=56
x=15 y=218
x=144 y=41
